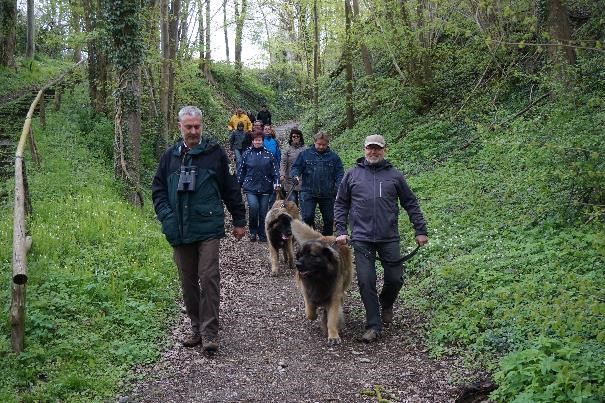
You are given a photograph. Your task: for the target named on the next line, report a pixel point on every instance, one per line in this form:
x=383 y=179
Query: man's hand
x=238 y=232
x=342 y=239
x=282 y=179
x=422 y=240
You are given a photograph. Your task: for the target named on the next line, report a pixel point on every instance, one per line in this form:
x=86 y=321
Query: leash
x=367 y=254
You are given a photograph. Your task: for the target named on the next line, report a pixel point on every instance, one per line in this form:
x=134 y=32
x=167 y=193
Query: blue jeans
x=238 y=156
x=308 y=203
x=258 y=205
x=366 y=278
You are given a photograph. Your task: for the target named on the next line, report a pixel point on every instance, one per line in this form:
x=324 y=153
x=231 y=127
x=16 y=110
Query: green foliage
x=513 y=275
x=101 y=285
x=556 y=373
x=28 y=73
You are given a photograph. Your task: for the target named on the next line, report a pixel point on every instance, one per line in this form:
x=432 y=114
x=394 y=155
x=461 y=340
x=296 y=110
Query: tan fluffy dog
x=279 y=232
x=324 y=273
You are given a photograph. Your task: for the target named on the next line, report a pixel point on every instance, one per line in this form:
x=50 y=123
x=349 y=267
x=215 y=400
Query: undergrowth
x=101 y=287
x=514 y=274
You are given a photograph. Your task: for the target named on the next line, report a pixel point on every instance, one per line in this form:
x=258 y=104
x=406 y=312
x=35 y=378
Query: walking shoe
x=387 y=316
x=192 y=340
x=210 y=345
x=252 y=238
x=370 y=336
x=262 y=239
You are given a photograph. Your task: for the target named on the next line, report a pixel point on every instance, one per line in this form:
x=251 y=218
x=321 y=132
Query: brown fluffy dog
x=324 y=273
x=279 y=232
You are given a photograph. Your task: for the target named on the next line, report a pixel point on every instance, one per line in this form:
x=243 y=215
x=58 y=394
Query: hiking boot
x=210 y=345
x=263 y=240
x=192 y=340
x=370 y=336
x=387 y=316
x=252 y=238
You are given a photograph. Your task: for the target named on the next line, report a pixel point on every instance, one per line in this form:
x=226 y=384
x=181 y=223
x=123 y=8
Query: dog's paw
x=333 y=341
x=274 y=273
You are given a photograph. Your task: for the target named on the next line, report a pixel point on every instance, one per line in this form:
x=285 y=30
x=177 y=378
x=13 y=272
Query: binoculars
x=187 y=179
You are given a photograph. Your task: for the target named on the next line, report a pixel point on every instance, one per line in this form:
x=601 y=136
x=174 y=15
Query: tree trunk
x=201 y=35
x=127 y=141
x=74 y=22
x=558 y=28
x=97 y=59
x=169 y=17
x=315 y=68
x=365 y=54
x=29 y=50
x=348 y=66
x=8 y=29
x=240 y=17
x=225 y=31
x=125 y=28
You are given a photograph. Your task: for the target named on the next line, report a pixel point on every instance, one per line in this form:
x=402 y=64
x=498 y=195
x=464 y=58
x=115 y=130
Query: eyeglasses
x=295 y=136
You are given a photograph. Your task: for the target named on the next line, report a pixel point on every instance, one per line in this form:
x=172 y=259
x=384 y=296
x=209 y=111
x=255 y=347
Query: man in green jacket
x=189 y=188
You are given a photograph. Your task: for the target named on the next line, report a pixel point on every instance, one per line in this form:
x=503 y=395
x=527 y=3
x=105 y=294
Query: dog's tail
x=303 y=233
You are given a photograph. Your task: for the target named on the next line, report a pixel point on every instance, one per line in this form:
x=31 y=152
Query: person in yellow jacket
x=239 y=116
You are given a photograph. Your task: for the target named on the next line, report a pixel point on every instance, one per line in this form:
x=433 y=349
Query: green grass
x=29 y=72
x=101 y=286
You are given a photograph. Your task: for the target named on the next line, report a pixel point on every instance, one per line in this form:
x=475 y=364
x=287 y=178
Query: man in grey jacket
x=368 y=199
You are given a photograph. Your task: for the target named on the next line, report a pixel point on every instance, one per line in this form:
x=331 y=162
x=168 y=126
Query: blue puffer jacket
x=271 y=144
x=258 y=171
x=320 y=173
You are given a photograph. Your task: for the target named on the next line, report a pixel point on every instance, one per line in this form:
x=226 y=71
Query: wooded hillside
x=493 y=109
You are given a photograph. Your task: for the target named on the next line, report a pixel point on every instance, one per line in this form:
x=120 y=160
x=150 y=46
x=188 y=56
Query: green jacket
x=197 y=215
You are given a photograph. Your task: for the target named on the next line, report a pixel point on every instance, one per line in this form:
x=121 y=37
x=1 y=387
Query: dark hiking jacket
x=196 y=215
x=368 y=199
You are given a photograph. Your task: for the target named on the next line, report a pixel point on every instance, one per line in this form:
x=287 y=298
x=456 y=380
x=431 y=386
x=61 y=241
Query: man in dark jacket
x=264 y=115
x=189 y=188
x=368 y=199
x=320 y=171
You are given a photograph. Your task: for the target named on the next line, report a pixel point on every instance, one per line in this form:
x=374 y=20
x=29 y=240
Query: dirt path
x=269 y=352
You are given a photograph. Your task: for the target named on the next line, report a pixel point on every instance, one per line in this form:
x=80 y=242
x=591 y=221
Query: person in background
x=271 y=144
x=319 y=170
x=239 y=116
x=257 y=130
x=368 y=198
x=264 y=115
x=296 y=146
x=258 y=177
x=251 y=117
x=236 y=142
x=189 y=188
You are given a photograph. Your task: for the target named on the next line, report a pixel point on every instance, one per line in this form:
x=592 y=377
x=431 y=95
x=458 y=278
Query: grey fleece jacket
x=368 y=199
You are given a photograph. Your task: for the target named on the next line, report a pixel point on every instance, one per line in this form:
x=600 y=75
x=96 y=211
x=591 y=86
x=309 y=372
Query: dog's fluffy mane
x=303 y=233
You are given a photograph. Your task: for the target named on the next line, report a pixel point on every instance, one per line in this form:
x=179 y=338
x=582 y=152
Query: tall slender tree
x=240 y=18
x=8 y=24
x=348 y=66
x=169 y=22
x=29 y=49
x=225 y=29
x=97 y=55
x=125 y=32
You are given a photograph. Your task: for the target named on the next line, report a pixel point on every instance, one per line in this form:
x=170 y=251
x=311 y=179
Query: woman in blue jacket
x=258 y=176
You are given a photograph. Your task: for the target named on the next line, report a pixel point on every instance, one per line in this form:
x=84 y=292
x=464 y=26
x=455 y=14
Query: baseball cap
x=376 y=139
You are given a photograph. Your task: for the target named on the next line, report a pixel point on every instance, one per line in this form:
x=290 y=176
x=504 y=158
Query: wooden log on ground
x=17 y=317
